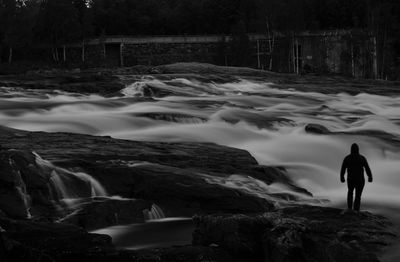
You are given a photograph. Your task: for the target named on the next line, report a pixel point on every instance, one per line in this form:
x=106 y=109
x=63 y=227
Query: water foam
x=70 y=185
x=155 y=213
x=312 y=160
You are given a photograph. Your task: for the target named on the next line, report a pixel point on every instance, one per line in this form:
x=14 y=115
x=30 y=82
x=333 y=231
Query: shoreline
x=108 y=81
x=175 y=176
x=308 y=216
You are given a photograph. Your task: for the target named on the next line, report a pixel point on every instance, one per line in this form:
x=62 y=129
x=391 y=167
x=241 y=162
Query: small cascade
x=278 y=193
x=25 y=197
x=58 y=185
x=154 y=213
x=96 y=188
x=65 y=185
x=21 y=188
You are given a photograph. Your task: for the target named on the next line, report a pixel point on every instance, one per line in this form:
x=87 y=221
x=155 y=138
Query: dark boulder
x=385 y=136
x=317 y=129
x=173 y=117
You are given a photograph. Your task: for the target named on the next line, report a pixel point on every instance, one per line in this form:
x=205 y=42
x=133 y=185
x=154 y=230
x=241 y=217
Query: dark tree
x=58 y=23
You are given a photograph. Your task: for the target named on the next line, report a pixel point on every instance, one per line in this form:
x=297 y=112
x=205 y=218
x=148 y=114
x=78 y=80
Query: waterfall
x=74 y=188
x=21 y=189
x=267 y=120
x=154 y=213
x=67 y=185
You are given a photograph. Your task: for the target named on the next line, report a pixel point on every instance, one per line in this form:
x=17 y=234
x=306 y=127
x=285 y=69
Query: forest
x=25 y=24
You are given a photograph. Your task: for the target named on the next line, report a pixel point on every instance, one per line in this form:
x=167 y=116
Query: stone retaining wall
x=338 y=52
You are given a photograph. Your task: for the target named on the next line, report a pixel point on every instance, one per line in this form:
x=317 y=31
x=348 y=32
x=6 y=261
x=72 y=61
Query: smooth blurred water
x=266 y=121
x=67 y=185
x=156 y=233
x=251 y=115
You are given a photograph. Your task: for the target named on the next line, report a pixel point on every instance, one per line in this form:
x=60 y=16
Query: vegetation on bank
x=26 y=25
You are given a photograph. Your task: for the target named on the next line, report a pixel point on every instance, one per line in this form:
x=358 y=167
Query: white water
x=68 y=186
x=155 y=213
x=266 y=121
x=256 y=187
x=74 y=188
x=21 y=188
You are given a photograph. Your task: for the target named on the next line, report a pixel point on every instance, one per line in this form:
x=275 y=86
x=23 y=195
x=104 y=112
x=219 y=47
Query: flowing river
x=267 y=121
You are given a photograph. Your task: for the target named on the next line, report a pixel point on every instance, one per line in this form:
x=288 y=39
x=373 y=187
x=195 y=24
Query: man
x=355 y=165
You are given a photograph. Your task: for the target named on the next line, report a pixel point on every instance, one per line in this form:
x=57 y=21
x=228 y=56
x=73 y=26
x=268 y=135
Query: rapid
x=260 y=117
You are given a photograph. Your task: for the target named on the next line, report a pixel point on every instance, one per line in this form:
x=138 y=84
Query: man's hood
x=354 y=149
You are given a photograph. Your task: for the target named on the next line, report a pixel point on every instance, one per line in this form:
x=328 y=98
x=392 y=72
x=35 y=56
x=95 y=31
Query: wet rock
x=77 y=82
x=33 y=241
x=155 y=70
x=173 y=175
x=258 y=120
x=108 y=80
x=182 y=254
x=203 y=68
x=303 y=233
x=28 y=189
x=178 y=191
x=173 y=117
x=14 y=198
x=105 y=212
x=321 y=130
x=240 y=235
x=65 y=147
x=317 y=129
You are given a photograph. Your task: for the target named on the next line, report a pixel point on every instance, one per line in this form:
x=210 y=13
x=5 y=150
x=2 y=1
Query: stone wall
x=93 y=56
x=351 y=55
x=158 y=53
x=322 y=52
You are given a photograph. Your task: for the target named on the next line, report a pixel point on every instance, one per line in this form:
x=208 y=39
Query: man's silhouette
x=355 y=164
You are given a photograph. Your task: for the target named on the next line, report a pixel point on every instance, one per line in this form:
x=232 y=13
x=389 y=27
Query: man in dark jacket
x=355 y=165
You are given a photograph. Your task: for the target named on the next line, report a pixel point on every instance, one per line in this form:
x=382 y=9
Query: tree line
x=28 y=23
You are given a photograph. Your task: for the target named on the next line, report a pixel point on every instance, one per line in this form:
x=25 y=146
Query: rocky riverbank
x=109 y=81
x=176 y=176
x=184 y=179
x=55 y=188
x=301 y=233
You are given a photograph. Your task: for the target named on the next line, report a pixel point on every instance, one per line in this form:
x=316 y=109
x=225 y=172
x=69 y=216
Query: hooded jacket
x=355 y=165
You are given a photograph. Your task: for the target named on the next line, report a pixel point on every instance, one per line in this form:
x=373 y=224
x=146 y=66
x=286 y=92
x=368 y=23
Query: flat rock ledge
x=297 y=234
x=174 y=176
x=293 y=234
x=230 y=225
